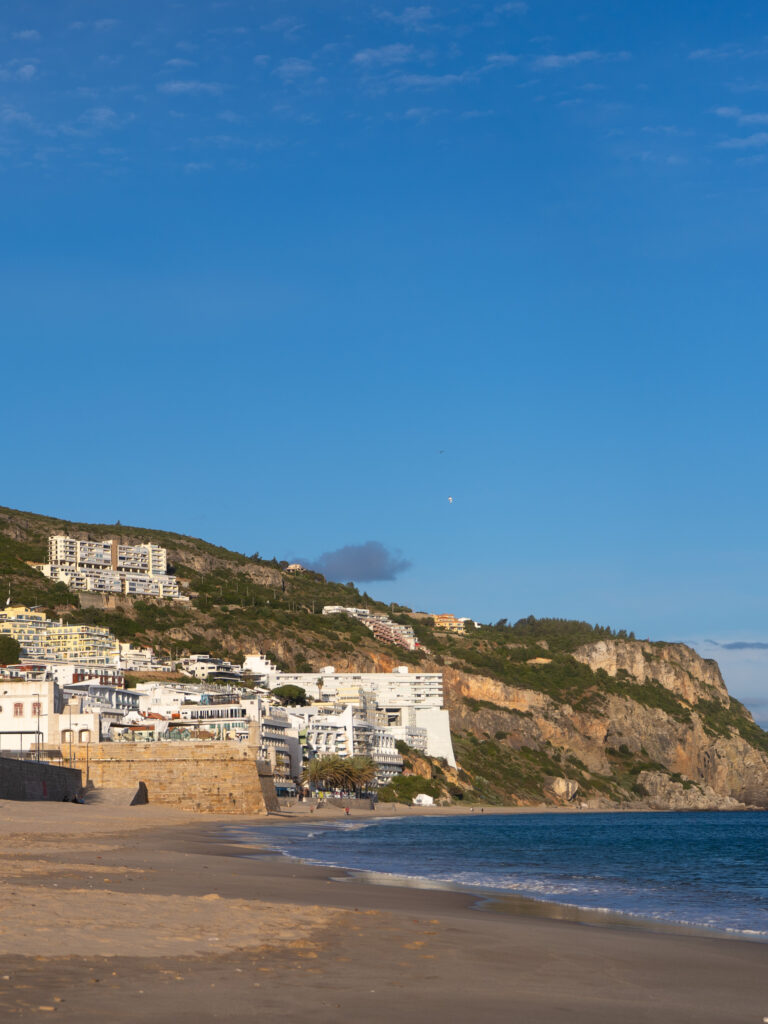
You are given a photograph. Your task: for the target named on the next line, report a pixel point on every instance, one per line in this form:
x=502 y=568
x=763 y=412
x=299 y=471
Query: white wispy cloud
x=180 y=62
x=415 y=18
x=261 y=59
x=26 y=71
x=12 y=115
x=739 y=116
x=501 y=59
x=26 y=33
x=756 y=141
x=429 y=81
x=99 y=117
x=293 y=68
x=19 y=70
x=288 y=26
x=555 y=61
x=384 y=56
x=726 y=51
x=191 y=87
x=513 y=7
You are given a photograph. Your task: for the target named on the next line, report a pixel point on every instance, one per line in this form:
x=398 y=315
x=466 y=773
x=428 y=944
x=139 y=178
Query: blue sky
x=289 y=275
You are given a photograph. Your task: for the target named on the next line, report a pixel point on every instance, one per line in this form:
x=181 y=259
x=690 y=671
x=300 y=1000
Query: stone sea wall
x=216 y=778
x=36 y=780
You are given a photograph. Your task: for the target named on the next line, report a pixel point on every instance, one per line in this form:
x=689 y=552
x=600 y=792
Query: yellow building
x=449 y=623
x=44 y=639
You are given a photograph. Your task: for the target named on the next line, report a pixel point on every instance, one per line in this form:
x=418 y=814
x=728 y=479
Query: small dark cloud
x=361 y=563
x=745 y=645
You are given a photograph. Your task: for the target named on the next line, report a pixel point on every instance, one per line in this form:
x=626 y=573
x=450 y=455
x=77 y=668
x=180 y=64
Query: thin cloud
x=417 y=19
x=501 y=59
x=726 y=51
x=289 y=26
x=756 y=141
x=179 y=88
x=26 y=33
x=384 y=56
x=738 y=115
x=429 y=81
x=26 y=71
x=556 y=61
x=362 y=563
x=293 y=68
x=12 y=115
x=180 y=62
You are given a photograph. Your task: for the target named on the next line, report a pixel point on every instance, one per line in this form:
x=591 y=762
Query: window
x=37 y=709
x=18 y=710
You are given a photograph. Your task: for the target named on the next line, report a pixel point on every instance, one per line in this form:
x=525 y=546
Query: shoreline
x=145 y=913
x=486 y=899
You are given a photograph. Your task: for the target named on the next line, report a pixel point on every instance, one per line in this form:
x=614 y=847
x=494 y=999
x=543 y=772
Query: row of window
x=18 y=709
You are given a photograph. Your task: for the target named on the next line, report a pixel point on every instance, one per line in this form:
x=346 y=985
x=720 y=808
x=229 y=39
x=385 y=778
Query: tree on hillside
x=291 y=695
x=10 y=650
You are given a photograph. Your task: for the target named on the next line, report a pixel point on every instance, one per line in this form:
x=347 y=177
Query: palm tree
x=362 y=771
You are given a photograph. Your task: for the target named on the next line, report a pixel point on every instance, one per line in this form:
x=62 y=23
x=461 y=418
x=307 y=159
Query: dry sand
x=152 y=915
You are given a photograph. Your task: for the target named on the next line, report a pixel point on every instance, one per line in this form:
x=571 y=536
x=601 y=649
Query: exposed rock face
x=664 y=793
x=715 y=770
x=563 y=789
x=678 y=668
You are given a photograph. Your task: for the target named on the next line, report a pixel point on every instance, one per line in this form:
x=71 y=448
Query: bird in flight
x=450 y=501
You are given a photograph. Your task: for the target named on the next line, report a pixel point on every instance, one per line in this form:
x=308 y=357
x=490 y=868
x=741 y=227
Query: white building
x=204 y=666
x=410 y=701
x=382 y=627
x=346 y=732
x=36 y=715
x=106 y=566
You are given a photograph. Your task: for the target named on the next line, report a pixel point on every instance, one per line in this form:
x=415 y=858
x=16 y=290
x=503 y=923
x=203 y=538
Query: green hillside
x=528 y=702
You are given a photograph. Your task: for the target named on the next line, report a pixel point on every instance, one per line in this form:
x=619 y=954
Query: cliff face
x=676 y=667
x=688 y=753
x=545 y=710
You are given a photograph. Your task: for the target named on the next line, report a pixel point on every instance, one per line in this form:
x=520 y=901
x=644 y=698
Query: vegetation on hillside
x=240 y=603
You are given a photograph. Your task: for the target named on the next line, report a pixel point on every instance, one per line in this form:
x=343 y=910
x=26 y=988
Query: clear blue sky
x=262 y=262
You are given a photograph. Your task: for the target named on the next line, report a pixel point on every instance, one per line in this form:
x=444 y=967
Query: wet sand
x=148 y=914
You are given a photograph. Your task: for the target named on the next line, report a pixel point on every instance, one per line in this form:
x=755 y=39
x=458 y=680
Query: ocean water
x=706 y=870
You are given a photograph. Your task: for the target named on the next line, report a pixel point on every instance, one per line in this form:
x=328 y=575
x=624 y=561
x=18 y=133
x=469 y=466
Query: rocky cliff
x=658 y=728
x=545 y=710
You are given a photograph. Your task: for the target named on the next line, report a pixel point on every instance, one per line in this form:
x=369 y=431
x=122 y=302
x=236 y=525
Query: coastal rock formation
x=530 y=702
x=625 y=740
x=676 y=667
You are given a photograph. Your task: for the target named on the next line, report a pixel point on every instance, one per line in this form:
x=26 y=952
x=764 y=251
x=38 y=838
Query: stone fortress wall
x=214 y=778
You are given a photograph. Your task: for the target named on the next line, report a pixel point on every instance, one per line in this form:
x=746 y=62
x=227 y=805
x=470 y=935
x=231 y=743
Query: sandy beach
x=149 y=914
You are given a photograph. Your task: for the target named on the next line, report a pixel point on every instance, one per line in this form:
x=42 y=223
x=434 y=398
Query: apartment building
x=408 y=701
x=382 y=627
x=345 y=732
x=44 y=639
x=106 y=566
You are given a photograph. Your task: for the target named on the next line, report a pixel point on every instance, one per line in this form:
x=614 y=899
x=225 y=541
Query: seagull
x=450 y=501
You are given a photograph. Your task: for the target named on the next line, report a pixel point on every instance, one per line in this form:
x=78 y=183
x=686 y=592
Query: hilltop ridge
x=543 y=710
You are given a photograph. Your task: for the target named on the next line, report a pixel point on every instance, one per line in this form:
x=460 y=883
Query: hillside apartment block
x=382 y=627
x=108 y=567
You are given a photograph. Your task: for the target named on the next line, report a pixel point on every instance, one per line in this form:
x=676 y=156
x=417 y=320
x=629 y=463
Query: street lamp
x=37 y=736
